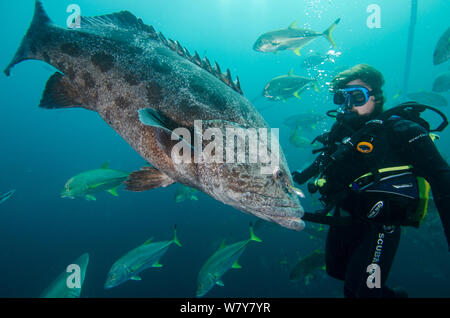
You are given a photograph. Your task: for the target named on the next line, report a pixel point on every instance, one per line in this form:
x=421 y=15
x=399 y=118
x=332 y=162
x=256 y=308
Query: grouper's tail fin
x=327 y=32
x=27 y=51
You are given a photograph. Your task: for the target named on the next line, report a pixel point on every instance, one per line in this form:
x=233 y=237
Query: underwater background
x=41 y=233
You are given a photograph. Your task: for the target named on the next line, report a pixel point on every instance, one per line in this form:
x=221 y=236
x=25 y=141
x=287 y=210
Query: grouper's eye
x=277 y=174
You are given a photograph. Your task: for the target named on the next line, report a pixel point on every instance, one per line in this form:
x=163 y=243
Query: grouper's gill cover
x=118 y=66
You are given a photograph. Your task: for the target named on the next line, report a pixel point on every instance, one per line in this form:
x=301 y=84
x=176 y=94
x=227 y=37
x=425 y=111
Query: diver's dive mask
x=350 y=96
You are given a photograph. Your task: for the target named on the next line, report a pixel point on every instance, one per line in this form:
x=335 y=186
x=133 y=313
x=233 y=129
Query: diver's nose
x=348 y=104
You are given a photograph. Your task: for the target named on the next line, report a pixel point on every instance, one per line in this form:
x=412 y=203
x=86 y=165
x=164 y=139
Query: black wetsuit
x=350 y=249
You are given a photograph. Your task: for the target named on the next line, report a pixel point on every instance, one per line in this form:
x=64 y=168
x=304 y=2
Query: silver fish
x=442 y=50
x=297 y=140
x=292 y=38
x=184 y=193
x=125 y=71
x=6 y=196
x=220 y=262
x=315 y=59
x=428 y=98
x=137 y=260
x=442 y=83
x=307 y=265
x=307 y=121
x=284 y=87
x=87 y=183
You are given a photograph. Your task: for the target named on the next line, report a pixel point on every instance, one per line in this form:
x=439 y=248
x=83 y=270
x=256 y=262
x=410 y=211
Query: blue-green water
x=40 y=233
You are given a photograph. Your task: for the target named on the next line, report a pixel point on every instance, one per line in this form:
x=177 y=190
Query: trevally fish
x=306 y=121
x=145 y=86
x=428 y=98
x=225 y=258
x=287 y=86
x=316 y=232
x=340 y=68
x=70 y=282
x=442 y=50
x=87 y=183
x=137 y=260
x=291 y=38
x=307 y=265
x=442 y=83
x=299 y=141
x=6 y=196
x=314 y=59
x=184 y=193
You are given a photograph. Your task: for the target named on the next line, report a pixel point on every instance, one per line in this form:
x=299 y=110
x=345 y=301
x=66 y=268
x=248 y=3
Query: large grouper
x=145 y=86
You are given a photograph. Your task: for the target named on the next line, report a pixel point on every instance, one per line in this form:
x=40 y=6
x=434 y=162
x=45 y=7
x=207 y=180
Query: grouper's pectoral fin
x=59 y=93
x=165 y=137
x=152 y=118
x=147 y=178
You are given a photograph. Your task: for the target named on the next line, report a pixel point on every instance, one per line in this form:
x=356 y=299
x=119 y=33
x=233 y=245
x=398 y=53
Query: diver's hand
x=323 y=139
x=299 y=177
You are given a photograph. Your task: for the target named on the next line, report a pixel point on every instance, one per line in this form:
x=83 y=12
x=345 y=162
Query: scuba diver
x=374 y=175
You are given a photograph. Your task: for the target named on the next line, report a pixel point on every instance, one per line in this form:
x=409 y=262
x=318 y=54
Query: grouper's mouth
x=285 y=211
x=285 y=216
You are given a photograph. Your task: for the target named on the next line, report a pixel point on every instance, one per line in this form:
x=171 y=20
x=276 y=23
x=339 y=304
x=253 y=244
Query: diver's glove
x=323 y=138
x=299 y=177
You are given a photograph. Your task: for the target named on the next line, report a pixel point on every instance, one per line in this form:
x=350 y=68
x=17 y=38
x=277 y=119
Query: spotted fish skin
x=442 y=50
x=116 y=66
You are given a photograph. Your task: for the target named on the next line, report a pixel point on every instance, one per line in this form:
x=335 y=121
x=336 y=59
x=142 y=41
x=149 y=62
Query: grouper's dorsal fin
x=116 y=22
x=205 y=63
x=124 y=23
